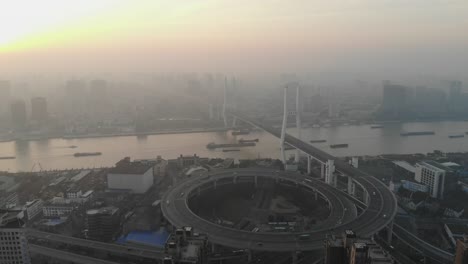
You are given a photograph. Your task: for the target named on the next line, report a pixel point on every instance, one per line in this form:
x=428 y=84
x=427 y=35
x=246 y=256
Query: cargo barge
x=248 y=140
x=7 y=157
x=235 y=145
x=230 y=150
x=417 y=133
x=240 y=132
x=318 y=141
x=85 y=154
x=339 y=146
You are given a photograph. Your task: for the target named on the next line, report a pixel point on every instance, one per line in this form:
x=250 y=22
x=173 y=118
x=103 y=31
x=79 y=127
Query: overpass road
x=66 y=256
x=423 y=247
x=107 y=247
x=380 y=211
x=387 y=202
x=342 y=217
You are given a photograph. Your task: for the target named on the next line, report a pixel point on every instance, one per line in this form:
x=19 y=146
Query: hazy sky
x=427 y=36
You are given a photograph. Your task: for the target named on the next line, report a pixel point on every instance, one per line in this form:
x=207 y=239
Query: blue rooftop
x=151 y=238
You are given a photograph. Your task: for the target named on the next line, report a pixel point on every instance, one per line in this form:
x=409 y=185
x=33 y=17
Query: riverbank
x=138 y=134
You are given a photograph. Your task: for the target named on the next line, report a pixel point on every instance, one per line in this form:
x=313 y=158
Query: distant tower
x=18 y=114
x=298 y=120
x=283 y=127
x=39 y=109
x=5 y=91
x=75 y=98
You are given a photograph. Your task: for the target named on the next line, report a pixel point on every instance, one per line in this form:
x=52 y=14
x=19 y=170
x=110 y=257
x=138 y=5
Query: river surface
x=362 y=140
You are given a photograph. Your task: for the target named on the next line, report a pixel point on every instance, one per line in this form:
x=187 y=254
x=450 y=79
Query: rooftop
x=158 y=238
x=80 y=175
x=435 y=165
x=11 y=218
x=126 y=166
x=405 y=165
x=450 y=164
x=30 y=203
x=110 y=210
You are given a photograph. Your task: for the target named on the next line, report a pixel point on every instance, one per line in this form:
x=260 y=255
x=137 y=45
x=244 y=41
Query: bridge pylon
x=224 y=103
x=286 y=114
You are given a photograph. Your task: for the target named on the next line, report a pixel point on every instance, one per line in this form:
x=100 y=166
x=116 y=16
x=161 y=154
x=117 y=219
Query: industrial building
x=136 y=177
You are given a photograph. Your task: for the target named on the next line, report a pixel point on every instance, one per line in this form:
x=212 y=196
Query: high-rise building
x=456 y=100
x=13 y=243
x=39 y=109
x=461 y=255
x=433 y=175
x=335 y=251
x=5 y=87
x=18 y=114
x=98 y=99
x=75 y=98
x=102 y=224
x=394 y=100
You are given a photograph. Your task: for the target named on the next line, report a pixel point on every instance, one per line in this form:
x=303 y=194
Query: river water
x=362 y=140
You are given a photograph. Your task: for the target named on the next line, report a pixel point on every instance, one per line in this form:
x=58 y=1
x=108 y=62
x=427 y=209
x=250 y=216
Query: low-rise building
x=73 y=193
x=187 y=161
x=414 y=186
x=8 y=199
x=58 y=207
x=33 y=208
x=185 y=246
x=160 y=167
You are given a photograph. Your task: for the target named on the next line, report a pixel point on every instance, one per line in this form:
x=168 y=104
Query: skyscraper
x=4 y=96
x=75 y=98
x=98 y=100
x=13 y=243
x=39 y=109
x=394 y=100
x=18 y=114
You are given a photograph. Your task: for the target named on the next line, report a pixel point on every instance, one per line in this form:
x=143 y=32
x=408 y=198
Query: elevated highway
x=66 y=256
x=105 y=247
x=342 y=217
x=428 y=250
x=385 y=201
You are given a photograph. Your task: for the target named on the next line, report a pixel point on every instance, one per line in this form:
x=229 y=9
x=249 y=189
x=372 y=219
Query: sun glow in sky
x=213 y=33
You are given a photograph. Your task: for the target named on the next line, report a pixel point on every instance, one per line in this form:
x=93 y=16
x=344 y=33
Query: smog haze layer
x=384 y=36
